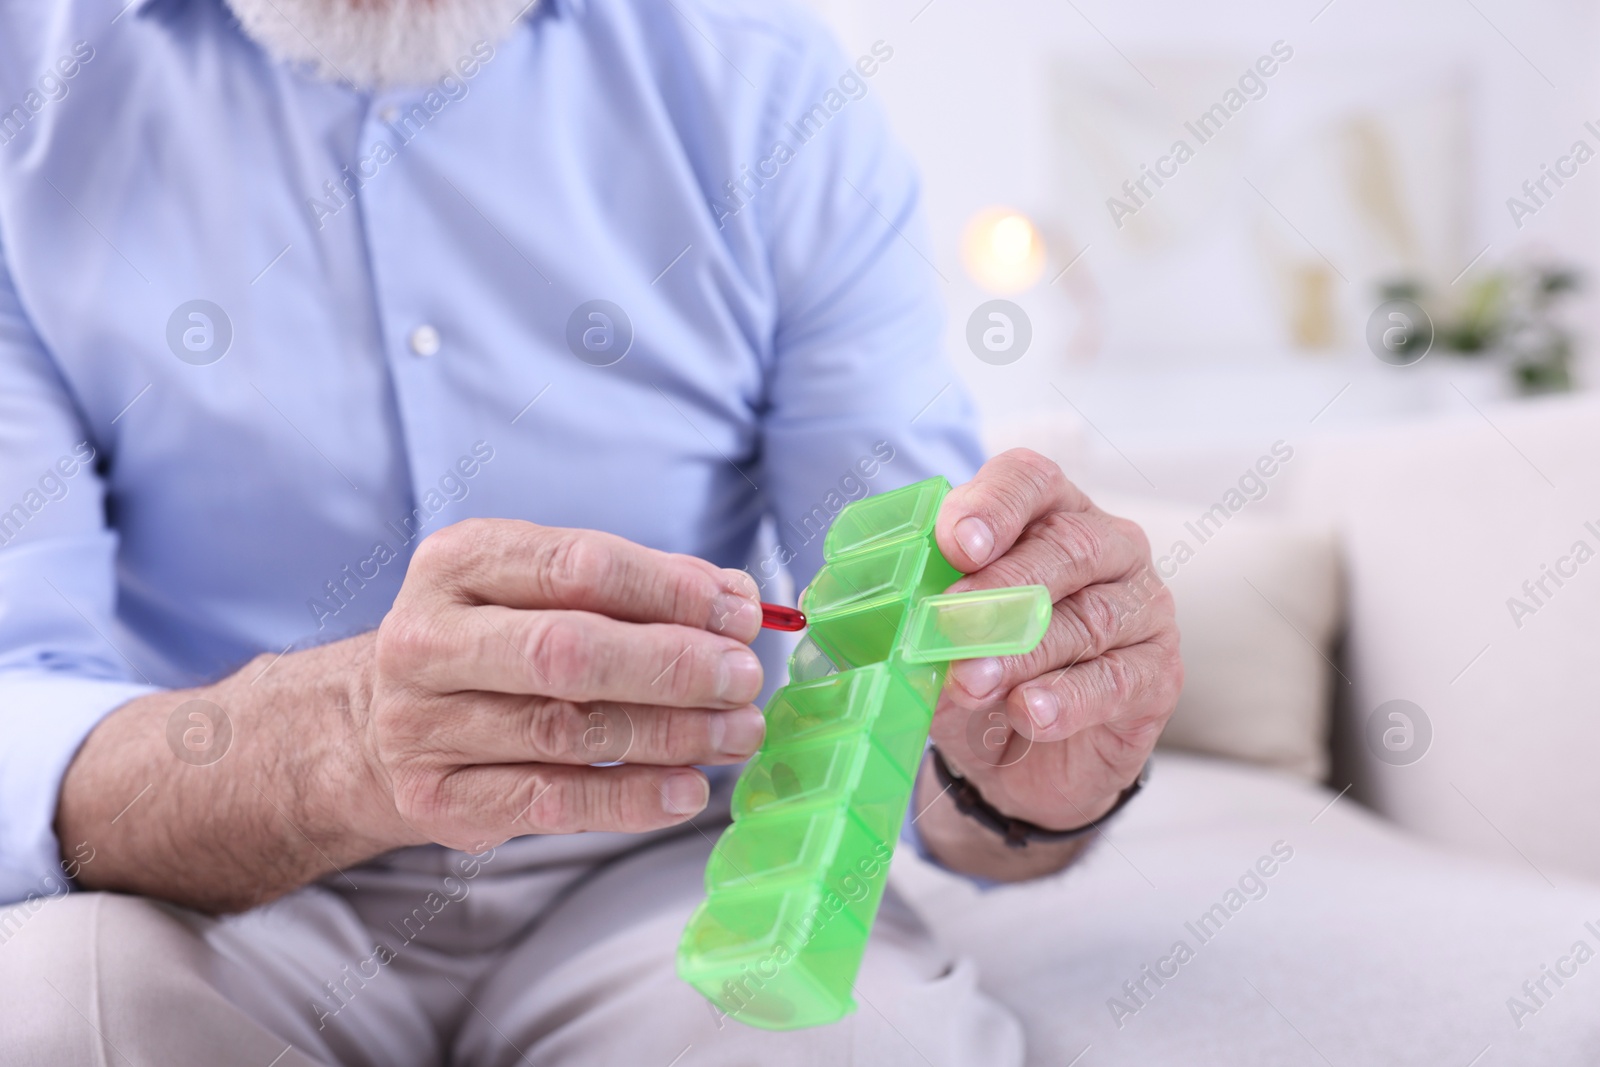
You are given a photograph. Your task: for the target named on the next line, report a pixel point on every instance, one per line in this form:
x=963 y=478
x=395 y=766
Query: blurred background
x=1232 y=301
x=1362 y=232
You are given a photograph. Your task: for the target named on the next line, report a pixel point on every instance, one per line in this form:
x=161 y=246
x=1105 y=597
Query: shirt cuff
x=45 y=719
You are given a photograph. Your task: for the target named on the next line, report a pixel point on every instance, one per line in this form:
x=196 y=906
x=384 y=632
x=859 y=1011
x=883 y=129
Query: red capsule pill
x=777 y=617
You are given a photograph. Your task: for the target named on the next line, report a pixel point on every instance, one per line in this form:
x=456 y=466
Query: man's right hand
x=517 y=655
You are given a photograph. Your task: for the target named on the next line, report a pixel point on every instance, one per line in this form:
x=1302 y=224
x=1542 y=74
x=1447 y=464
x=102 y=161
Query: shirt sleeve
x=861 y=397
x=59 y=674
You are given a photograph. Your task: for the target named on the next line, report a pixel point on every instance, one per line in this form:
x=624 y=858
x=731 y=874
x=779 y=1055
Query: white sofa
x=1408 y=902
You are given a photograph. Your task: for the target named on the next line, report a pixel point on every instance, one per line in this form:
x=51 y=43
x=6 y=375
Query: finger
x=981 y=520
x=1133 y=686
x=524 y=565
x=574 y=655
x=1086 y=624
x=1065 y=551
x=496 y=727
x=499 y=801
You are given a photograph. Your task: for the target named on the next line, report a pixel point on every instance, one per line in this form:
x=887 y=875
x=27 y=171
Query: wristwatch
x=1018 y=832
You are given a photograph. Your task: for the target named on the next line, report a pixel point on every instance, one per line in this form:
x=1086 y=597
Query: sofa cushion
x=1453 y=534
x=1338 y=940
x=1259 y=607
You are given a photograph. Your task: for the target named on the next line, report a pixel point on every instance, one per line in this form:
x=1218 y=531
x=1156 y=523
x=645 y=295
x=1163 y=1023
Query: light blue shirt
x=259 y=333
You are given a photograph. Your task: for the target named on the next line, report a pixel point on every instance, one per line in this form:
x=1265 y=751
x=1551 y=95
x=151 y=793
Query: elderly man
x=389 y=390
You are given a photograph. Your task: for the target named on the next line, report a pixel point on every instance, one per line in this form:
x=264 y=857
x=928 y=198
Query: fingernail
x=979 y=677
x=739 y=676
x=1042 y=708
x=734 y=615
x=684 y=794
x=740 y=583
x=975 y=539
x=739 y=732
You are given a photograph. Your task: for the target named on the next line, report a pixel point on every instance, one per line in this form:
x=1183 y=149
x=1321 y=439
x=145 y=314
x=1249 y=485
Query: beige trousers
x=553 y=952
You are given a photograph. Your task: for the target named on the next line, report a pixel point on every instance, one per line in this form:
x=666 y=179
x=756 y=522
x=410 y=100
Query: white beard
x=377 y=44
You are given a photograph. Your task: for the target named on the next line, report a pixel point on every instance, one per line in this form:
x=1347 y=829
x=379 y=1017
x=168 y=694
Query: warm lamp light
x=1002 y=250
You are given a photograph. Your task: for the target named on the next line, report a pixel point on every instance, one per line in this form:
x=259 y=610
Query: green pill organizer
x=793 y=884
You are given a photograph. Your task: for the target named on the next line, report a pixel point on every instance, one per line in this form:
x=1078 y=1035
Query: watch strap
x=1018 y=832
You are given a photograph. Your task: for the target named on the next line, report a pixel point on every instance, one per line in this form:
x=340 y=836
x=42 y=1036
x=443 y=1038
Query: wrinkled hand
x=1053 y=736
x=517 y=656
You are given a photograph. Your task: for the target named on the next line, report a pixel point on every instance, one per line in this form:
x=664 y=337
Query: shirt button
x=389 y=114
x=425 y=340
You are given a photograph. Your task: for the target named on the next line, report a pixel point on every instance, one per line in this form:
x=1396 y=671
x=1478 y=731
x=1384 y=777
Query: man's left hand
x=1054 y=736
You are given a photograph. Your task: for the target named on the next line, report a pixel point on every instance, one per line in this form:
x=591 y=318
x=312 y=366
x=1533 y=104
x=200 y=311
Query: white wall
x=1193 y=341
